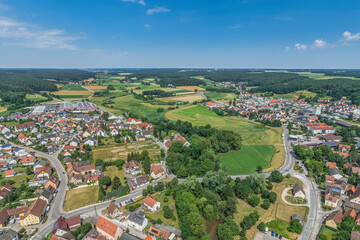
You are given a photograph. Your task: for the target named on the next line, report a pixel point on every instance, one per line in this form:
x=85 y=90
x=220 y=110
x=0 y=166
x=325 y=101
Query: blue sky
x=187 y=33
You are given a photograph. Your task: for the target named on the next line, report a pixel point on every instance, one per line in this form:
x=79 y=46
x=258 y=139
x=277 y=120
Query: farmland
x=192 y=88
x=184 y=98
x=220 y=96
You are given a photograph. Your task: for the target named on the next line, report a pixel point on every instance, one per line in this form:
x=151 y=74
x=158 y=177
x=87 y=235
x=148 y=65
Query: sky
x=184 y=34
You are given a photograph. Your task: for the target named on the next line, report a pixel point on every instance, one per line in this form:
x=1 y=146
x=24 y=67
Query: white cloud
x=32 y=36
x=287 y=48
x=319 y=44
x=157 y=10
x=300 y=46
x=142 y=2
x=351 y=37
x=147 y=26
x=236 y=26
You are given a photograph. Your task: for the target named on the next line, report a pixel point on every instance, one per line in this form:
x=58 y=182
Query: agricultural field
x=112 y=152
x=94 y=88
x=184 y=98
x=124 y=104
x=252 y=133
x=247 y=159
x=218 y=96
x=278 y=216
x=191 y=88
x=88 y=195
x=322 y=76
x=71 y=87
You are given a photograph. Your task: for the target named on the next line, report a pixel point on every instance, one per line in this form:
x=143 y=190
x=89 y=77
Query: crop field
x=74 y=96
x=322 y=76
x=72 y=87
x=65 y=92
x=184 y=98
x=192 y=88
x=247 y=159
x=277 y=217
x=95 y=87
x=113 y=152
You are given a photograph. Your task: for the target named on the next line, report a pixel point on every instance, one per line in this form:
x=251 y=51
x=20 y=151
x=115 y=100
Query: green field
x=322 y=76
x=330 y=234
x=35 y=97
x=9 y=123
x=72 y=87
x=220 y=96
x=247 y=159
x=191 y=112
x=74 y=96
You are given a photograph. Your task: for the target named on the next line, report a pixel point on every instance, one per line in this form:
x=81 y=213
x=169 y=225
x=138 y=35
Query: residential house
x=334 y=218
x=46 y=196
x=28 y=160
x=335 y=172
x=137 y=220
x=141 y=181
x=95 y=235
x=53 y=182
x=156 y=171
x=39 y=164
x=9 y=234
x=165 y=232
x=90 y=141
x=44 y=171
x=10 y=173
x=108 y=229
x=298 y=192
x=151 y=203
x=132 y=167
x=35 y=213
x=114 y=210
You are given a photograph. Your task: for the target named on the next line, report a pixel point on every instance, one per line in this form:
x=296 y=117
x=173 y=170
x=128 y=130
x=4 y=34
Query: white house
x=90 y=141
x=151 y=203
x=298 y=192
x=137 y=220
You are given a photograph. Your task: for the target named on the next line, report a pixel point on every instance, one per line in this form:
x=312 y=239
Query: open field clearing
x=322 y=76
x=35 y=97
x=95 y=87
x=113 y=171
x=65 y=92
x=88 y=196
x=72 y=87
x=252 y=133
x=220 y=96
x=184 y=98
x=192 y=88
x=113 y=152
x=247 y=159
x=278 y=214
x=2 y=109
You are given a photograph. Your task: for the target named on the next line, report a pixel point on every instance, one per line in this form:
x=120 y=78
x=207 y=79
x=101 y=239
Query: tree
x=105 y=116
x=99 y=162
x=28 y=170
x=276 y=176
x=254 y=200
x=272 y=197
x=159 y=187
x=144 y=192
x=259 y=169
x=224 y=232
x=261 y=226
x=210 y=212
x=266 y=204
x=295 y=226
x=150 y=189
x=105 y=181
x=116 y=183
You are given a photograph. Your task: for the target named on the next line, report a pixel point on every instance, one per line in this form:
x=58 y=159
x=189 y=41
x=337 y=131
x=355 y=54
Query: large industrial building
x=65 y=106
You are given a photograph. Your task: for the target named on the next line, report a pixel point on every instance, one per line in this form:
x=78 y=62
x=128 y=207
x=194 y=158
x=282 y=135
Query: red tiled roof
x=107 y=226
x=150 y=201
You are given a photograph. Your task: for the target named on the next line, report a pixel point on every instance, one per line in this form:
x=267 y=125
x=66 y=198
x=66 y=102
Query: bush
x=261 y=227
x=254 y=200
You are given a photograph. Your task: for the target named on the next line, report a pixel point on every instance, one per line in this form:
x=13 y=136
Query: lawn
x=192 y=111
x=113 y=171
x=80 y=197
x=279 y=211
x=247 y=159
x=35 y=97
x=160 y=214
x=19 y=178
x=330 y=234
x=113 y=152
x=9 y=123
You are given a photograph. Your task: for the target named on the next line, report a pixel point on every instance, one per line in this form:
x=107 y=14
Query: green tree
x=261 y=227
x=276 y=176
x=272 y=197
x=210 y=212
x=116 y=183
x=254 y=200
x=105 y=181
x=295 y=226
x=266 y=204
